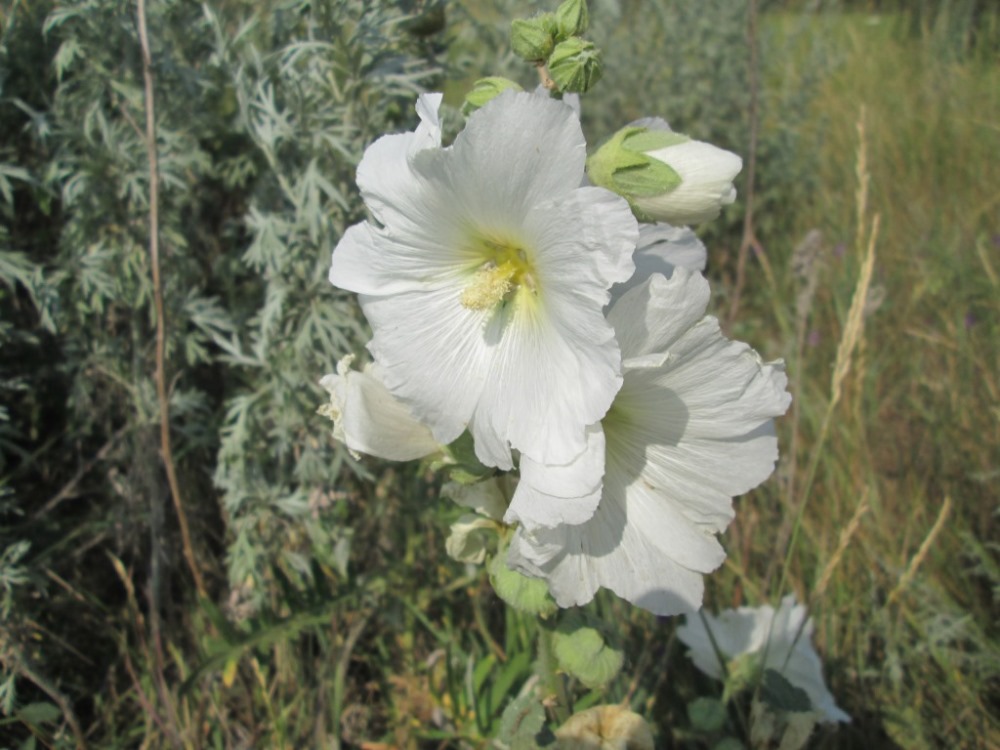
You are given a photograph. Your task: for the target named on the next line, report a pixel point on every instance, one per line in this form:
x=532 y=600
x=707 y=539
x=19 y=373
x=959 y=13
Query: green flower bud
x=666 y=176
x=486 y=89
x=572 y=18
x=575 y=65
x=533 y=39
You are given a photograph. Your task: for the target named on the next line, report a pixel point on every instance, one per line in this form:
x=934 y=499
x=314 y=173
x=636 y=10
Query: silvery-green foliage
x=312 y=87
x=263 y=110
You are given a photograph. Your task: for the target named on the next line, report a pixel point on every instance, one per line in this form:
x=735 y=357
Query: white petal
x=549 y=495
x=368 y=419
x=661 y=249
x=706 y=173
x=650 y=317
x=691 y=426
x=433 y=356
x=785 y=636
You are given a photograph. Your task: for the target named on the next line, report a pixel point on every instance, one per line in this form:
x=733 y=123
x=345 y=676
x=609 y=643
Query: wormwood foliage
x=262 y=113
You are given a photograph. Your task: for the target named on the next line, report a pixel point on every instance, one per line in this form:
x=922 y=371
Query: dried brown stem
x=154 y=254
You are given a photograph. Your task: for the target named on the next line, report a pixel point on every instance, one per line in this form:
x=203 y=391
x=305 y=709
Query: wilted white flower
x=666 y=176
x=782 y=639
x=691 y=427
x=368 y=419
x=484 y=277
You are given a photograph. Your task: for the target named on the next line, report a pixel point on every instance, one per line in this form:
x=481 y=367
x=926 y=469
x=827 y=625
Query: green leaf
x=530 y=595
x=585 y=649
x=39 y=713
x=707 y=714
x=521 y=721
x=781 y=695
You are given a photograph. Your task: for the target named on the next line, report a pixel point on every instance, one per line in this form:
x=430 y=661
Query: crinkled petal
x=691 y=427
x=547 y=495
x=661 y=249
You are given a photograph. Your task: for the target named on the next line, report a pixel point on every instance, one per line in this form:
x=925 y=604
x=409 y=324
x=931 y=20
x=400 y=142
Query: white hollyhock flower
x=782 y=639
x=485 y=274
x=368 y=419
x=691 y=427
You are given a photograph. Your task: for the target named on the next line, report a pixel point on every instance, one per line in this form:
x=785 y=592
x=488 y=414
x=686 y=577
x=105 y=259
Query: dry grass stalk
x=925 y=547
x=845 y=539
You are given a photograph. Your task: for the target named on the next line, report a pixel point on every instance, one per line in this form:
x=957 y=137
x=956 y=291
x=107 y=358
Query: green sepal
x=586 y=650
x=644 y=140
x=529 y=595
x=575 y=65
x=651 y=179
x=622 y=166
x=460 y=461
x=572 y=19
x=533 y=39
x=486 y=89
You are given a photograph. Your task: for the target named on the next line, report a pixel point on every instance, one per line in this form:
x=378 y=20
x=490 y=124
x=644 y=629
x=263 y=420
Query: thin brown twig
x=154 y=253
x=749 y=240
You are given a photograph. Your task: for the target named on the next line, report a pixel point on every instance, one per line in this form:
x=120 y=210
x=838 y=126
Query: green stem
x=552 y=682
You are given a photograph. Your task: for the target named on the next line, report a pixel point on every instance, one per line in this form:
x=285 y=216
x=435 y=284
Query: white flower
x=485 y=277
x=691 y=427
x=368 y=419
x=666 y=176
x=783 y=639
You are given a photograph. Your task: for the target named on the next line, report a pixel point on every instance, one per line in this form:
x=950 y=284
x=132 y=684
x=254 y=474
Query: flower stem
x=552 y=681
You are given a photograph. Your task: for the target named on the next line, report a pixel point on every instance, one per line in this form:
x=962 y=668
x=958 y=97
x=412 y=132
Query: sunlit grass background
x=878 y=133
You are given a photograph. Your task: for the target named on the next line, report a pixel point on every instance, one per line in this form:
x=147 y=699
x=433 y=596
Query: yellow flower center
x=505 y=272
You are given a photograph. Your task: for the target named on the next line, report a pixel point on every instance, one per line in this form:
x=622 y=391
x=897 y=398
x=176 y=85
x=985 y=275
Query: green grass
x=919 y=420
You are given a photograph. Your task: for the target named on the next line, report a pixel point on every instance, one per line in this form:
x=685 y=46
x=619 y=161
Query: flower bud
x=666 y=176
x=575 y=65
x=533 y=39
x=486 y=89
x=572 y=18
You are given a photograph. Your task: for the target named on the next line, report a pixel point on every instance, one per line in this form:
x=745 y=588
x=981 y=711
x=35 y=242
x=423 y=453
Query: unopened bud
x=486 y=89
x=666 y=176
x=575 y=65
x=533 y=39
x=572 y=18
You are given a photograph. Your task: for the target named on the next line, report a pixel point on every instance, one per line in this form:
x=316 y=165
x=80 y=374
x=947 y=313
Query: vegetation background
x=302 y=598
